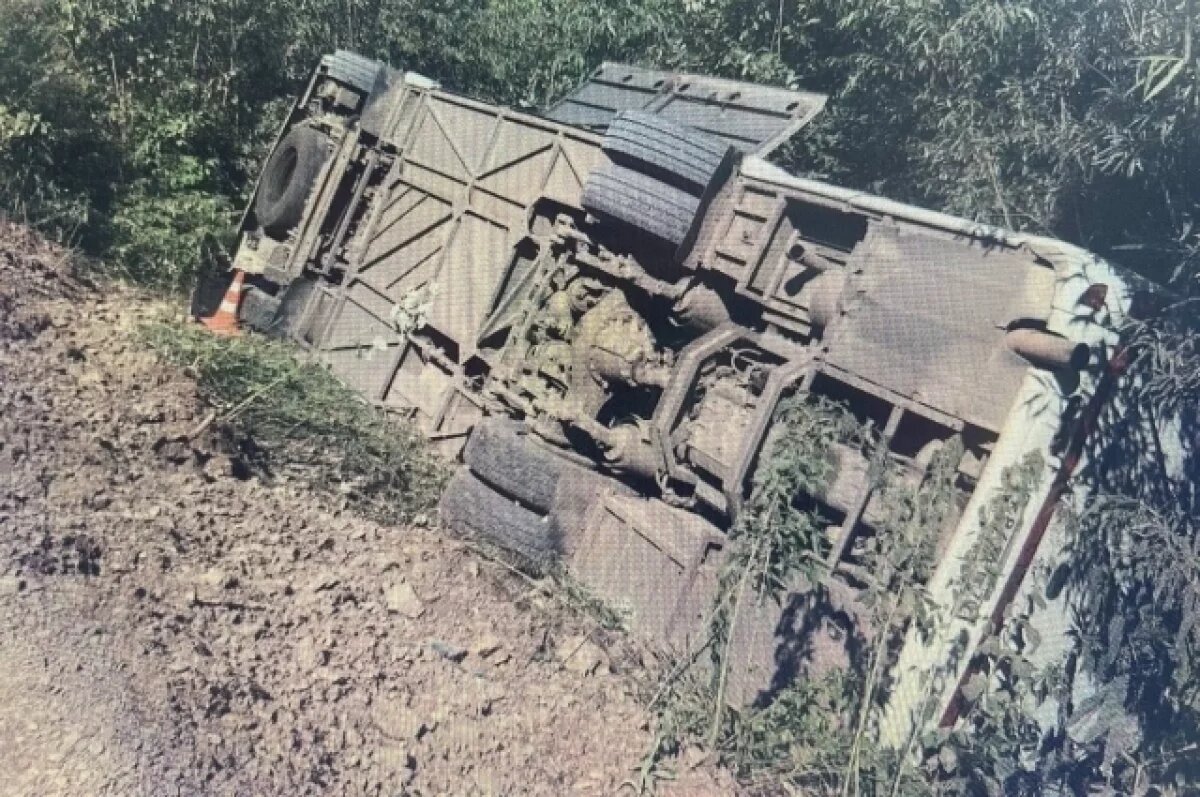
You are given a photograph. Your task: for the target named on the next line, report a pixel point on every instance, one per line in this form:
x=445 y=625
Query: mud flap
x=258 y=310
x=656 y=564
x=805 y=632
x=660 y=567
x=278 y=316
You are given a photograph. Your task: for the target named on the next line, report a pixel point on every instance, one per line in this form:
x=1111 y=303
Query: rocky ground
x=168 y=626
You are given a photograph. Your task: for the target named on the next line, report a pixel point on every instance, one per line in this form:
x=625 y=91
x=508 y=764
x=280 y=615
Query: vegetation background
x=133 y=128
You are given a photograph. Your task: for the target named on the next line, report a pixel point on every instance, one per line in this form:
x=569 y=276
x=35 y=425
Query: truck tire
x=354 y=70
x=641 y=202
x=472 y=508
x=677 y=155
x=289 y=178
x=500 y=456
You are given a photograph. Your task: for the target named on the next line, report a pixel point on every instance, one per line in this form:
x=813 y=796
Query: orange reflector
x=224 y=321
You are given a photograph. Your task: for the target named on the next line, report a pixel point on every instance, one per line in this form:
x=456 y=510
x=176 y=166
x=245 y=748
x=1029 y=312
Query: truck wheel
x=472 y=508
x=641 y=202
x=289 y=177
x=678 y=155
x=500 y=456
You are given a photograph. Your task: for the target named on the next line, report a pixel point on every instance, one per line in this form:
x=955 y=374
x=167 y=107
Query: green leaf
x=1162 y=72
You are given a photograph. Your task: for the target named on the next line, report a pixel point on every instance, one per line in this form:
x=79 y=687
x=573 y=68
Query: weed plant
x=291 y=417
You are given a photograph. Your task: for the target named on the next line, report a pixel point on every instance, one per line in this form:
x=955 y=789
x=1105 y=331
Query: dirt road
x=167 y=627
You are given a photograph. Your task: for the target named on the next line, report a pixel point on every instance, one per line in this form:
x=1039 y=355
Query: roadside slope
x=167 y=627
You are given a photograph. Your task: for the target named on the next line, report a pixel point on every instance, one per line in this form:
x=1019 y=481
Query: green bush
x=157 y=234
x=1064 y=116
x=59 y=167
x=292 y=417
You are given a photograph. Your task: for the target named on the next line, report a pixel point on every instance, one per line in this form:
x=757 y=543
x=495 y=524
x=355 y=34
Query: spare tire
x=289 y=178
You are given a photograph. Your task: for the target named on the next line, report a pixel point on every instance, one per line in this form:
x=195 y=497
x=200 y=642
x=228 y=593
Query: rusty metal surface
x=457 y=199
x=753 y=118
x=655 y=564
x=443 y=223
x=928 y=319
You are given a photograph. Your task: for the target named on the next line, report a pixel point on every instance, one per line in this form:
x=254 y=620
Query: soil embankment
x=168 y=627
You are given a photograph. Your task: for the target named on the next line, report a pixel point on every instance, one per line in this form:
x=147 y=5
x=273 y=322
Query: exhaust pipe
x=1047 y=350
x=823 y=297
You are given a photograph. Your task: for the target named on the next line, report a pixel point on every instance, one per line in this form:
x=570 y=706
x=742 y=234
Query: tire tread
x=500 y=456
x=677 y=154
x=641 y=202
x=287 y=210
x=471 y=507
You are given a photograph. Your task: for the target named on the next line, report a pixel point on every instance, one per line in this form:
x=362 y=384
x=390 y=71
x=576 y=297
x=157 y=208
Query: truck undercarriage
x=602 y=312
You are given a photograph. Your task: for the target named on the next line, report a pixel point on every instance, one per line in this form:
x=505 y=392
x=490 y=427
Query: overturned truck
x=601 y=309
